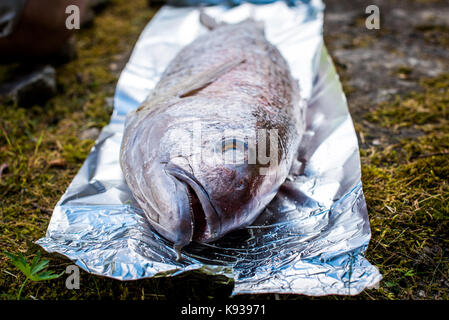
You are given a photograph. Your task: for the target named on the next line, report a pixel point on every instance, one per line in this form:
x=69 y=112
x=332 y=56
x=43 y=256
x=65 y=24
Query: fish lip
x=213 y=223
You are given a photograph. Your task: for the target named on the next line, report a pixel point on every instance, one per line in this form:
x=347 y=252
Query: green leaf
x=39 y=266
x=48 y=275
x=35 y=260
x=20 y=263
x=410 y=273
x=32 y=272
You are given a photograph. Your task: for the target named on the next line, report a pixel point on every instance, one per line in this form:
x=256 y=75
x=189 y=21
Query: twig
x=11 y=274
x=35 y=205
x=427 y=155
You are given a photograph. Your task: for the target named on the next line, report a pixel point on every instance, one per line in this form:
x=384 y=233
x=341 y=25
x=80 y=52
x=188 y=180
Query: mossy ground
x=404 y=154
x=406 y=187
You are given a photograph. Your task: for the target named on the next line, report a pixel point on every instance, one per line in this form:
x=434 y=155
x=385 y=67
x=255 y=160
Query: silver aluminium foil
x=311 y=238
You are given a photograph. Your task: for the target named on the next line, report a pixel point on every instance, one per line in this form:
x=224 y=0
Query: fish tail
x=211 y=23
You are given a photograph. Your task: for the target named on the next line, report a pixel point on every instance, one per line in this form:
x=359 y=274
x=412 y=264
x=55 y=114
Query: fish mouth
x=206 y=224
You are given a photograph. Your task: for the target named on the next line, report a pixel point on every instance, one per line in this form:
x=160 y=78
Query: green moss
x=406 y=189
x=434 y=34
x=427 y=110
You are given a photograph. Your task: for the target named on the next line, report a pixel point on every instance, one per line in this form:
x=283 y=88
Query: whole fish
x=194 y=154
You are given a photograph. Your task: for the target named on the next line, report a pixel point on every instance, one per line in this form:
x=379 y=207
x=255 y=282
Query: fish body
x=190 y=152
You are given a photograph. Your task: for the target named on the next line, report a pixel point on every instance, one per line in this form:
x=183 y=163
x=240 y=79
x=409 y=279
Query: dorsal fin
x=190 y=84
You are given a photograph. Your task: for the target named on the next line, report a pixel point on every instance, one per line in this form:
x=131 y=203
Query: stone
x=89 y=134
x=32 y=88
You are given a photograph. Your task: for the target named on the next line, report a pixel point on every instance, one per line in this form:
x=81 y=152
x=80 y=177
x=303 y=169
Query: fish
x=194 y=153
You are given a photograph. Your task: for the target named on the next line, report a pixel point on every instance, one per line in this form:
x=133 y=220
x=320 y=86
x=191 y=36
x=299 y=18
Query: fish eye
x=233 y=144
x=233 y=150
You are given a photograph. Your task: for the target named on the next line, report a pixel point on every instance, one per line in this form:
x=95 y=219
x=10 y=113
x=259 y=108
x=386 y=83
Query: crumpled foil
x=310 y=239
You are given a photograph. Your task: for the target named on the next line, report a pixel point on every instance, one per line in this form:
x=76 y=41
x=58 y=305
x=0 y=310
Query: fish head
x=214 y=155
x=192 y=170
